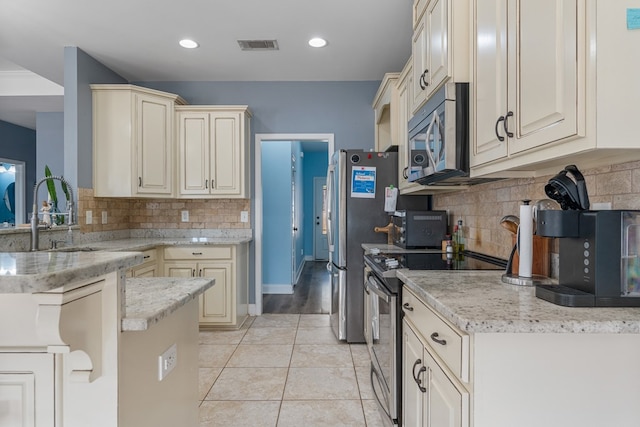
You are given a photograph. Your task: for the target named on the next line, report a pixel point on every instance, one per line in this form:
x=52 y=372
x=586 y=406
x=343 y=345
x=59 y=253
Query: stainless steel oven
x=383 y=315
x=381 y=334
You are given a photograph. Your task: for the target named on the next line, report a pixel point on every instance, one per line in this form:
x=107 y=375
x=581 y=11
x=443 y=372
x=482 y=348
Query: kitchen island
x=495 y=355
x=79 y=343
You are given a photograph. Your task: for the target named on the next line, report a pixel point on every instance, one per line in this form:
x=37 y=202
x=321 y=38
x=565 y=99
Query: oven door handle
x=373 y=286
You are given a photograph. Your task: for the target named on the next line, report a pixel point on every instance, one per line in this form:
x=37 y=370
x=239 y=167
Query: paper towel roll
x=525 y=245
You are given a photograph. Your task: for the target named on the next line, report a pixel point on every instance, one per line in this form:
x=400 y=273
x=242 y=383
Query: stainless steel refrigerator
x=356 y=182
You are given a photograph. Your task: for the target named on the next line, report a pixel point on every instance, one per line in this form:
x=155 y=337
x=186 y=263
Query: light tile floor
x=284 y=370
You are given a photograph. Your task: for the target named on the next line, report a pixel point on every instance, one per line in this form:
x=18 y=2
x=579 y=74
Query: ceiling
x=139 y=40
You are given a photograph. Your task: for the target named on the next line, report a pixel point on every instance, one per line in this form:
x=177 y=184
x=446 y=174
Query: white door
x=320 y=241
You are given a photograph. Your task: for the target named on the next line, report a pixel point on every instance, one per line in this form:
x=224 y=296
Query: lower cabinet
x=27 y=389
x=226 y=303
x=149 y=266
x=430 y=396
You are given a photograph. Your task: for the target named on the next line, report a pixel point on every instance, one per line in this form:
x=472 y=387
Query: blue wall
x=276 y=212
x=19 y=143
x=50 y=149
x=81 y=70
x=315 y=165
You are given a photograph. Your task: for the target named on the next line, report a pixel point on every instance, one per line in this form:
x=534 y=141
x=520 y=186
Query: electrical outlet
x=244 y=216
x=104 y=217
x=88 y=215
x=167 y=361
x=185 y=216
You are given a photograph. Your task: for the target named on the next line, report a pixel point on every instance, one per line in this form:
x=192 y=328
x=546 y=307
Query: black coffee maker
x=598 y=250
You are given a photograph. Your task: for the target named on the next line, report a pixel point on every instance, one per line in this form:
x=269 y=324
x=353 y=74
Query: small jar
x=446 y=242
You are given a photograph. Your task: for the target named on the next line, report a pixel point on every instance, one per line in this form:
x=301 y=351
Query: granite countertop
x=29 y=272
x=149 y=300
x=142 y=244
x=478 y=302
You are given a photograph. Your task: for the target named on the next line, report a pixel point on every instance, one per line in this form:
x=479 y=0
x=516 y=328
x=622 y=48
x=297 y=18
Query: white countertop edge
x=149 y=300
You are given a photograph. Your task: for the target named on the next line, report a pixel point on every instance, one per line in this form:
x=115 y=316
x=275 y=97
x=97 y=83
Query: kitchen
x=606 y=183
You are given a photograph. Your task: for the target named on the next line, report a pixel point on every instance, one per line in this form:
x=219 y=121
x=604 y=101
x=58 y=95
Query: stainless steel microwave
x=438 y=146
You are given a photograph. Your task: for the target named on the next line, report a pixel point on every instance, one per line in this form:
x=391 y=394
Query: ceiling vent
x=258 y=44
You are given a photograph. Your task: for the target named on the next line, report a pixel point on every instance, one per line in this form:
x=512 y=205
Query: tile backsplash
x=131 y=214
x=482 y=206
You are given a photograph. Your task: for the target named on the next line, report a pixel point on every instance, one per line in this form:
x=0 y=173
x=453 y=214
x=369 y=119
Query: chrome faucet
x=34 y=215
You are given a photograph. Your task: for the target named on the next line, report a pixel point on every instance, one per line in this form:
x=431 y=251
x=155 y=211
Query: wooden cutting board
x=541 y=256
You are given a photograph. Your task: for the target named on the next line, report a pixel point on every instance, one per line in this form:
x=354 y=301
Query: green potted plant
x=51 y=188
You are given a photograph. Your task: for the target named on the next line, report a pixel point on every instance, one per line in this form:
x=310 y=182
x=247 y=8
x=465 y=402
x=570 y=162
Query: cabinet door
x=543 y=72
x=225 y=154
x=27 y=390
x=437 y=16
x=193 y=140
x=412 y=360
x=179 y=269
x=420 y=67
x=148 y=271
x=216 y=304
x=489 y=81
x=154 y=142
x=448 y=406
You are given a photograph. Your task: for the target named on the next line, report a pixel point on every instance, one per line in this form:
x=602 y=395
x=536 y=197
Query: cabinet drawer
x=150 y=255
x=197 y=252
x=446 y=341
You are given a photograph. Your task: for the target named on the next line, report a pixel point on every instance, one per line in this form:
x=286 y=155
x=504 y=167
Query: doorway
x=12 y=192
x=328 y=141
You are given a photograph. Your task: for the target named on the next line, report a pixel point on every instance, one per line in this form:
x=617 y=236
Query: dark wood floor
x=312 y=294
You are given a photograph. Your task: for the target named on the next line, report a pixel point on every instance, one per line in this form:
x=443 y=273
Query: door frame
x=259 y=139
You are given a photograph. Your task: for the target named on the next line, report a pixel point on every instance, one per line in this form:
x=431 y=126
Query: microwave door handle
x=442 y=143
x=432 y=162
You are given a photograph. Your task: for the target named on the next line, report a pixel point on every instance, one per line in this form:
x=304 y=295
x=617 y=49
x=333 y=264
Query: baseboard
x=299 y=272
x=253 y=310
x=286 y=289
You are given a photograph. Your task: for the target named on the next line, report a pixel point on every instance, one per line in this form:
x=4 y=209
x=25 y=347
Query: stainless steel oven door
x=381 y=340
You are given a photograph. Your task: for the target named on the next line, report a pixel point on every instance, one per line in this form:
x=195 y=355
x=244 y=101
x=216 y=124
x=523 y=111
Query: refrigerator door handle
x=328 y=203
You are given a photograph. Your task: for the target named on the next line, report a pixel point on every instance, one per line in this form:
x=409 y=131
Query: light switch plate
x=185 y=216
x=104 y=217
x=88 y=215
x=244 y=216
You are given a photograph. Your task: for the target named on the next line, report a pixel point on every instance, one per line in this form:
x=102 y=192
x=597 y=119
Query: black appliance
x=438 y=146
x=598 y=256
x=383 y=315
x=419 y=229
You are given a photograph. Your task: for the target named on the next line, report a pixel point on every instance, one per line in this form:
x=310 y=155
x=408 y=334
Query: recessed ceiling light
x=317 y=42
x=189 y=44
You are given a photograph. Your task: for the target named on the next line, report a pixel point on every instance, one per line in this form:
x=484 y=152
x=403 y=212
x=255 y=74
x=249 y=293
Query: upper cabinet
x=133 y=145
x=213 y=154
x=440 y=46
x=545 y=96
x=385 y=107
x=526 y=81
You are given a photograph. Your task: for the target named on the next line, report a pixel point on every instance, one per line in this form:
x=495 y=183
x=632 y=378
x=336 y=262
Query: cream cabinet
x=133 y=141
x=226 y=303
x=433 y=394
x=213 y=151
x=385 y=107
x=544 y=97
x=149 y=266
x=440 y=46
x=526 y=87
x=27 y=389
